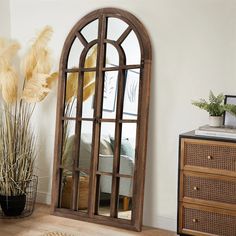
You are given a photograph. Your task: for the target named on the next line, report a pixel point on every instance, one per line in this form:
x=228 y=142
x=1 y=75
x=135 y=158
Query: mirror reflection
x=90 y=31
x=105 y=195
x=132 y=49
x=127 y=149
x=131 y=96
x=85 y=146
x=71 y=95
x=106 y=154
x=74 y=55
x=115 y=28
x=91 y=57
x=68 y=145
x=82 y=191
x=110 y=94
x=112 y=56
x=88 y=94
x=125 y=198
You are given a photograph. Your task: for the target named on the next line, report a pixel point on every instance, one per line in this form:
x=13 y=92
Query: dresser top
x=191 y=134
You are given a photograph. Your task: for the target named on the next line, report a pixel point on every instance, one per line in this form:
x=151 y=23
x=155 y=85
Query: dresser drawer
x=210 y=188
x=208 y=154
x=208 y=221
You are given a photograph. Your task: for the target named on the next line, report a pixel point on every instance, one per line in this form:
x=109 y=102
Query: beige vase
x=215 y=121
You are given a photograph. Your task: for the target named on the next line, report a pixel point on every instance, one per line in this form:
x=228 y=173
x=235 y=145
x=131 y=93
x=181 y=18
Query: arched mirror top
x=121 y=29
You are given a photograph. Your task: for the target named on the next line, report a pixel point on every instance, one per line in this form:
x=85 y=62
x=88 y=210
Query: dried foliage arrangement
x=17 y=138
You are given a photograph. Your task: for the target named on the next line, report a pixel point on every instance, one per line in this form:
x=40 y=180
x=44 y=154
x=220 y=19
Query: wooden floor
x=42 y=222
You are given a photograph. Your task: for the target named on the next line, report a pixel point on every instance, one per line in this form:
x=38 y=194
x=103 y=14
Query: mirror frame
x=142 y=119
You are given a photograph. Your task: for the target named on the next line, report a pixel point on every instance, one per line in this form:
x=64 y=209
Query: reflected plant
x=132 y=91
x=108 y=86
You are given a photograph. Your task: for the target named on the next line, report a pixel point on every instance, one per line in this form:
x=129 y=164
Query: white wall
x=194 y=50
x=5 y=27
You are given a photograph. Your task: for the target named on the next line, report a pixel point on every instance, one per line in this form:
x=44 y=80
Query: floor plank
x=42 y=222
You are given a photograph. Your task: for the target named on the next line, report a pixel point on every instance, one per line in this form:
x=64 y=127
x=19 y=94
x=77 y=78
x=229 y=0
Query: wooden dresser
x=206 y=186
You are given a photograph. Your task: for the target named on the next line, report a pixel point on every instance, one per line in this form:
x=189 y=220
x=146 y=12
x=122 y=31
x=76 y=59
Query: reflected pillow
x=105 y=146
x=126 y=147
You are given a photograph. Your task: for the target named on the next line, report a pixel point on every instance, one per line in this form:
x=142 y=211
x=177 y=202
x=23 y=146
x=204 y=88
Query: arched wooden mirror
x=102 y=120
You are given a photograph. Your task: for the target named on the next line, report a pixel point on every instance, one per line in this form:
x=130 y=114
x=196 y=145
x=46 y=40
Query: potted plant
x=17 y=103
x=216 y=108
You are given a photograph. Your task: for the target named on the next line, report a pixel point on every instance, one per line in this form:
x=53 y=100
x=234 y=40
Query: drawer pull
x=209 y=157
x=195 y=188
x=195 y=220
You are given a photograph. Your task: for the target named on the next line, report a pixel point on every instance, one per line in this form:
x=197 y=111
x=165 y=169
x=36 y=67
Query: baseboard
x=43 y=197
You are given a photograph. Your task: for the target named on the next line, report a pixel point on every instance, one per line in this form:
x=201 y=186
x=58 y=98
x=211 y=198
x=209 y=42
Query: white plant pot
x=215 y=121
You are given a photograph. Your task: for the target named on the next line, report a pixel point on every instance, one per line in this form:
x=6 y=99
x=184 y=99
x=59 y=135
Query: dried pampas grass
x=35 y=88
x=38 y=58
x=2 y=43
x=88 y=91
x=8 y=76
x=9 y=84
x=8 y=51
x=50 y=81
x=71 y=86
x=89 y=79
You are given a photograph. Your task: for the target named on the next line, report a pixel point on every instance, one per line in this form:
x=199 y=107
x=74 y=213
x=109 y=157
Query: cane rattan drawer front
x=208 y=154
x=209 y=222
x=210 y=188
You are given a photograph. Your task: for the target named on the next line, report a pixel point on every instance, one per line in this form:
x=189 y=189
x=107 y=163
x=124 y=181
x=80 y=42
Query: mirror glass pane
x=132 y=49
x=112 y=56
x=110 y=94
x=90 y=31
x=85 y=145
x=74 y=55
x=65 y=189
x=130 y=109
x=68 y=145
x=127 y=149
x=91 y=57
x=115 y=28
x=107 y=136
x=125 y=198
x=88 y=94
x=71 y=95
x=83 y=192
x=105 y=195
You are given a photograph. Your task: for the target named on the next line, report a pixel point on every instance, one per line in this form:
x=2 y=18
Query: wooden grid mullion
x=118 y=130
x=76 y=171
x=124 y=35
x=75 y=175
x=59 y=136
x=81 y=38
x=76 y=70
x=94 y=185
x=104 y=173
x=124 y=67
